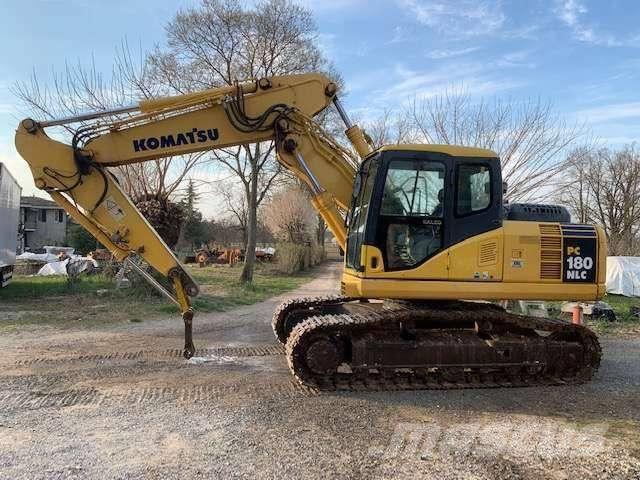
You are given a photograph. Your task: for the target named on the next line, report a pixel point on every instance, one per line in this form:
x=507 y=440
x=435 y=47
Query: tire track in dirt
x=34 y=400
x=181 y=395
x=241 y=351
x=50 y=380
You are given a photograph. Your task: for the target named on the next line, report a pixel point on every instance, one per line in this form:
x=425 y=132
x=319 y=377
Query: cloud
x=440 y=54
x=326 y=42
x=618 y=140
x=399 y=35
x=613 y=111
x=462 y=18
x=330 y=46
x=7 y=108
x=572 y=13
x=477 y=78
x=519 y=58
x=330 y=5
x=530 y=31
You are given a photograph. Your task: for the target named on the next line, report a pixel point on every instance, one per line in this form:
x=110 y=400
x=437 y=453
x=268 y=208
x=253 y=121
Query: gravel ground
x=119 y=402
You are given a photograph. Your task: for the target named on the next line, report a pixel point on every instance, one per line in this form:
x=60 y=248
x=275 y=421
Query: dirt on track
x=120 y=402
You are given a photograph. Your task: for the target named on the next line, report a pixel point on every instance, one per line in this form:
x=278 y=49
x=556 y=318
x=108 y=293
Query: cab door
x=477 y=199
x=475 y=240
x=411 y=204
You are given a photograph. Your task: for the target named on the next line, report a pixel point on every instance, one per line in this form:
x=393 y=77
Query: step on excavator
x=430 y=245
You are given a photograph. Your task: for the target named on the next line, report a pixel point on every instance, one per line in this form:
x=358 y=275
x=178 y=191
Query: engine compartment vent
x=488 y=254
x=530 y=212
x=550 y=252
x=546 y=229
x=550 y=271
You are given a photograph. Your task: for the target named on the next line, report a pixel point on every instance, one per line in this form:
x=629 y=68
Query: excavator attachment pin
x=264 y=83
x=30 y=125
x=331 y=89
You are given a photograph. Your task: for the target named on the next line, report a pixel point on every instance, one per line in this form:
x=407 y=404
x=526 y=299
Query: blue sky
x=583 y=56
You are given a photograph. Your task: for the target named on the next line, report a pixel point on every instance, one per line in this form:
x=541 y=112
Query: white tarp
x=80 y=264
x=54 y=268
x=38 y=257
x=623 y=276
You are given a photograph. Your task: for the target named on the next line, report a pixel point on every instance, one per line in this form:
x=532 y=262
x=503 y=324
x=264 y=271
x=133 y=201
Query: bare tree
x=290 y=217
x=235 y=204
x=529 y=137
x=603 y=187
x=221 y=41
x=575 y=191
x=222 y=232
x=288 y=181
x=80 y=88
x=390 y=128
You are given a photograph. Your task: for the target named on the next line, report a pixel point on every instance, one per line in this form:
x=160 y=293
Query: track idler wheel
x=323 y=356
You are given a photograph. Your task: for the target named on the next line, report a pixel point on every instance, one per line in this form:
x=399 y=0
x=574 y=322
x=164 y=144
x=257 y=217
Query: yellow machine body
x=520 y=260
x=524 y=260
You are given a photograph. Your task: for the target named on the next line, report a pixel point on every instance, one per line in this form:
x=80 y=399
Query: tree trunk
x=321 y=229
x=252 y=226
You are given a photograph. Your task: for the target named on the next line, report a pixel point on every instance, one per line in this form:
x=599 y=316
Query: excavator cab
x=411 y=202
x=428 y=222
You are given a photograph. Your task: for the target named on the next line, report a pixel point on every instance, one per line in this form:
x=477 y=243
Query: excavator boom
x=279 y=109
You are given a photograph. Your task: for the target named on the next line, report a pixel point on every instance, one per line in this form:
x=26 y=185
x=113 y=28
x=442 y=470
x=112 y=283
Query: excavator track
x=356 y=345
x=294 y=311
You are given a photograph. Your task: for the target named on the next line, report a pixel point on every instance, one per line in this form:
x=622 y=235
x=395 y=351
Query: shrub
x=164 y=216
x=293 y=257
x=318 y=254
x=80 y=239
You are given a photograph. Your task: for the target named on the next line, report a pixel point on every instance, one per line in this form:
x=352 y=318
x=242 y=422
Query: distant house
x=42 y=222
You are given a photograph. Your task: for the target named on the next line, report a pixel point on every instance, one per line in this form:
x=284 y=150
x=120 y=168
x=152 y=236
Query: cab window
x=411 y=212
x=473 y=188
x=357 y=219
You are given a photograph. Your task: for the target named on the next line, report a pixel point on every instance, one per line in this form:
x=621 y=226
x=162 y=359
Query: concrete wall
x=37 y=232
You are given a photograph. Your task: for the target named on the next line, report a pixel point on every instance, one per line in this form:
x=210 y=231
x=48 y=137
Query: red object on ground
x=577 y=315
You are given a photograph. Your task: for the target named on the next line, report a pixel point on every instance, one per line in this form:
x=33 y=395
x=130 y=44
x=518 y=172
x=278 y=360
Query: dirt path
x=120 y=402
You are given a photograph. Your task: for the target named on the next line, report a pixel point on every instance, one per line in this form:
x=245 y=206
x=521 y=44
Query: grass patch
x=32 y=287
x=73 y=311
x=622 y=306
x=221 y=290
x=625 y=322
x=53 y=301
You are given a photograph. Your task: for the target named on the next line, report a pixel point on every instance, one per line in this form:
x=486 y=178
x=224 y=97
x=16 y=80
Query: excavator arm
x=279 y=109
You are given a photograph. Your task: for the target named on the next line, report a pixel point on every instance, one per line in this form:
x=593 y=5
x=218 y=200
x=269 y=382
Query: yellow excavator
x=430 y=245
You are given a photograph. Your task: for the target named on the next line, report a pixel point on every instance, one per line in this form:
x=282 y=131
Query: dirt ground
x=119 y=402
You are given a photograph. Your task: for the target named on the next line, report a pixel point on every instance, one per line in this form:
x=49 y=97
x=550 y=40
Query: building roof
x=38 y=202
